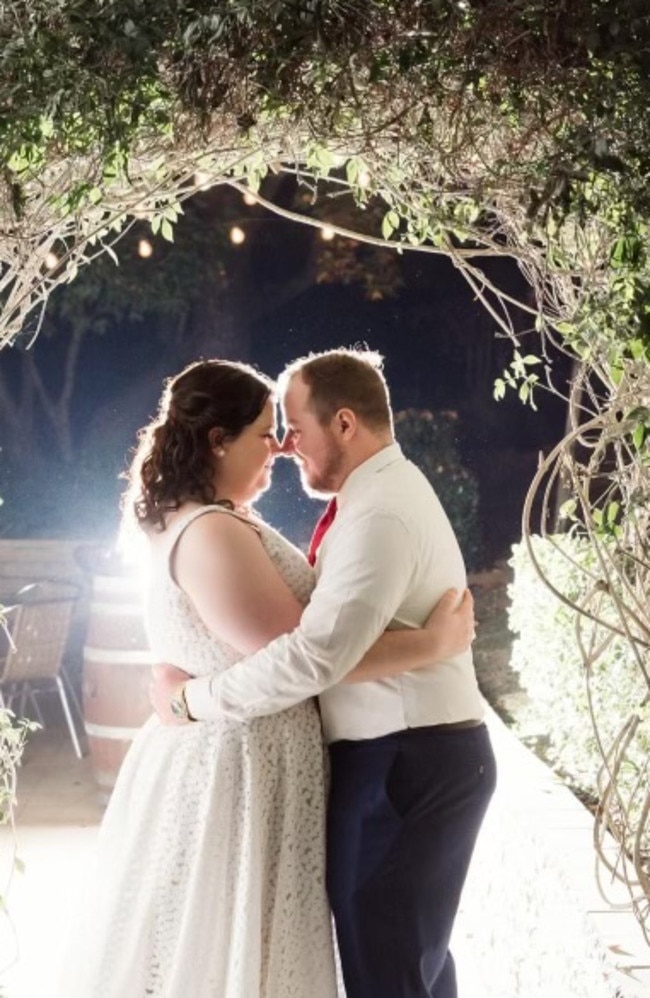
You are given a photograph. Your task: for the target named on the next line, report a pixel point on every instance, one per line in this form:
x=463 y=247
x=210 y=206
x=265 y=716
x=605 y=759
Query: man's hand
x=167 y=683
x=453 y=624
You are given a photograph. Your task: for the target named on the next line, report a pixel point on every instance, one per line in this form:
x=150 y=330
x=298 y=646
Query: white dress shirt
x=384 y=563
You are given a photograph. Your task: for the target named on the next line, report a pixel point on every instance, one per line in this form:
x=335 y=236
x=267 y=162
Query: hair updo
x=173 y=462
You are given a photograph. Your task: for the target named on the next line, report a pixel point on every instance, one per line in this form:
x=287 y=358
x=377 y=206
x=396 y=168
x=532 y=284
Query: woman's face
x=243 y=470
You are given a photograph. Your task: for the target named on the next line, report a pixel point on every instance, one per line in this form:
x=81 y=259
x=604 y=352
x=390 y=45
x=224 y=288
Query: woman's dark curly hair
x=173 y=461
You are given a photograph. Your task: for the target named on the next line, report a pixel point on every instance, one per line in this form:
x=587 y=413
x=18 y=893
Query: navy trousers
x=404 y=814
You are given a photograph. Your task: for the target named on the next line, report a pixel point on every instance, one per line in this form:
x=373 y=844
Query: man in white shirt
x=412 y=766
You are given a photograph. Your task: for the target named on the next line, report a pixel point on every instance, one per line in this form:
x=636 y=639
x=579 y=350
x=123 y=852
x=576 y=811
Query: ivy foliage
x=517 y=127
x=82 y=72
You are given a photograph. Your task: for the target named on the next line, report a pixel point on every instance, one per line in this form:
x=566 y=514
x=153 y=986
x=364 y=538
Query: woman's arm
x=222 y=565
x=448 y=630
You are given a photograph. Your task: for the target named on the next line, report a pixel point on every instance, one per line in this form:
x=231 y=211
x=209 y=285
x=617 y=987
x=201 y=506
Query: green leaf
x=568 y=509
x=167 y=231
x=386 y=228
x=352 y=170
x=47 y=127
x=18 y=162
x=389 y=224
x=616 y=374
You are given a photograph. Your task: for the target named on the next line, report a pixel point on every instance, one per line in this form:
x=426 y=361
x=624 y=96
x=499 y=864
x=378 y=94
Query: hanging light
x=51 y=260
x=237 y=235
x=145 y=249
x=249 y=198
x=327 y=233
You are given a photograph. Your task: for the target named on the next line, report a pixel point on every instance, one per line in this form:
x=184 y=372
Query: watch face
x=177 y=707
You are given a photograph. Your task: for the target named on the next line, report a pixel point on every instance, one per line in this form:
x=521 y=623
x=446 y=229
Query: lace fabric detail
x=210 y=873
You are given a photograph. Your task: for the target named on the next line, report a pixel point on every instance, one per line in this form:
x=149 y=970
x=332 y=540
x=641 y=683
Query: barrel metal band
x=118 y=656
x=106 y=731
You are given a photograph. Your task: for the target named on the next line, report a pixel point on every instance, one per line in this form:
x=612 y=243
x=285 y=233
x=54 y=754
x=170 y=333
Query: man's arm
x=449 y=629
x=362 y=584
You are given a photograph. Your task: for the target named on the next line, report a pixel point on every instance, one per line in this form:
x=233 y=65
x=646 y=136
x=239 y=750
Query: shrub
x=429 y=440
x=13 y=733
x=563 y=691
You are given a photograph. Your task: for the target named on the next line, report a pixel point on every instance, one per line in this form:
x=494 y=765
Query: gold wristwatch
x=178 y=706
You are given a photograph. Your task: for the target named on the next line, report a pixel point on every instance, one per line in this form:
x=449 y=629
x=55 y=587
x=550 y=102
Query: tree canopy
x=483 y=126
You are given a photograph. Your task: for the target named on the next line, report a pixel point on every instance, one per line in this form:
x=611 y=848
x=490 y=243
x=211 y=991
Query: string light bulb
x=249 y=198
x=327 y=233
x=51 y=260
x=237 y=235
x=145 y=249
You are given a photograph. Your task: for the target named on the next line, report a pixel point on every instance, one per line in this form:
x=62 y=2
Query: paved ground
x=532 y=924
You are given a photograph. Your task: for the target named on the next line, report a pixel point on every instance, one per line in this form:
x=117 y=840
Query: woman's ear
x=215 y=440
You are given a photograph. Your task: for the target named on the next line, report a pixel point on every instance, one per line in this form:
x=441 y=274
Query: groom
x=412 y=769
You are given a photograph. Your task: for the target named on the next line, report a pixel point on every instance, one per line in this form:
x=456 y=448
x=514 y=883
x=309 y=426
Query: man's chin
x=314 y=489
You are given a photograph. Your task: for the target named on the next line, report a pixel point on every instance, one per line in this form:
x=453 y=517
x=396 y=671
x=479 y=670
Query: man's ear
x=345 y=422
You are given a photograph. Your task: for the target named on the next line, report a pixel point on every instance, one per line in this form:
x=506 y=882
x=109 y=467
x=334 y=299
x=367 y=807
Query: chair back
x=39 y=632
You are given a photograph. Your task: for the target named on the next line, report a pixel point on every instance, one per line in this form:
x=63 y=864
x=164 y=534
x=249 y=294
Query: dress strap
x=181 y=526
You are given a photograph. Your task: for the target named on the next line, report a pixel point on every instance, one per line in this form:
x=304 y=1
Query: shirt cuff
x=201 y=702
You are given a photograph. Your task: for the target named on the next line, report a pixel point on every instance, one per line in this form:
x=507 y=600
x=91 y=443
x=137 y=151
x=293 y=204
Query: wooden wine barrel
x=116 y=675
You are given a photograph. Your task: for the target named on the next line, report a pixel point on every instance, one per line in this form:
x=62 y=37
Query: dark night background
x=440 y=348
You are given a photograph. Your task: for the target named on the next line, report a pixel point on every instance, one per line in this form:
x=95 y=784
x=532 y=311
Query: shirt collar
x=356 y=480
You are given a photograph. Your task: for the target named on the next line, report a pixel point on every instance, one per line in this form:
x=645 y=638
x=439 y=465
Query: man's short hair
x=344 y=379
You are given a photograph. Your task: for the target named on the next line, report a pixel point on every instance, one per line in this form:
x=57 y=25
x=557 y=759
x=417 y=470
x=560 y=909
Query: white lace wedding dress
x=210 y=879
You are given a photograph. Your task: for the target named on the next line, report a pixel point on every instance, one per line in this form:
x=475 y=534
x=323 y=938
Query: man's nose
x=287 y=445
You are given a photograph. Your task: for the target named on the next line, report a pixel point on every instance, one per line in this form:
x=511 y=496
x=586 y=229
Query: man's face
x=314 y=447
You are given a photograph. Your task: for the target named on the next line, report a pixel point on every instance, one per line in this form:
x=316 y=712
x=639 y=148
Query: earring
x=221 y=452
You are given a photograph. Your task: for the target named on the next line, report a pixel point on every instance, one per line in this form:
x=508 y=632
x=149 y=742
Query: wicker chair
x=31 y=656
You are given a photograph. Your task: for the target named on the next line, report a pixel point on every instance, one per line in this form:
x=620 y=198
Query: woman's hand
x=166 y=686
x=452 y=623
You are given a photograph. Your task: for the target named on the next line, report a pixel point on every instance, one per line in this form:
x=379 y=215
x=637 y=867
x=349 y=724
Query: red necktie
x=321 y=529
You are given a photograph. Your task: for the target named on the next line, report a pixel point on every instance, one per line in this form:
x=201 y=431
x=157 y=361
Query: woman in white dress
x=210 y=864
